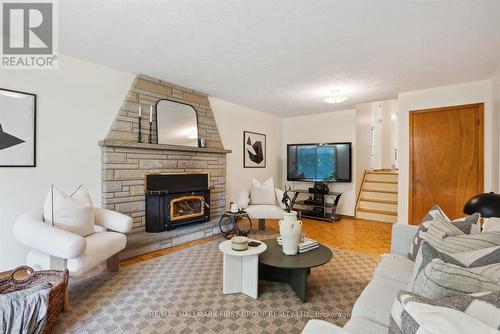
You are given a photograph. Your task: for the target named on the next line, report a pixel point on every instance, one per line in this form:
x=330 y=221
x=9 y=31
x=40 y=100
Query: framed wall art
x=254 y=150
x=17 y=129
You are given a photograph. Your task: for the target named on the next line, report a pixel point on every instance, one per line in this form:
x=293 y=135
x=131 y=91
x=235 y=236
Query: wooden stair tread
x=385 y=201
x=379 y=191
x=383 y=212
x=384 y=173
x=377 y=181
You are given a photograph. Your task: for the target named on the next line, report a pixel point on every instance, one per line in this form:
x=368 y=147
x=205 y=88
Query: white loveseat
x=55 y=248
x=371 y=312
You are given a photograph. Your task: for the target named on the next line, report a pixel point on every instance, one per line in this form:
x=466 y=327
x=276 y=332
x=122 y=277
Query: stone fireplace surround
x=125 y=162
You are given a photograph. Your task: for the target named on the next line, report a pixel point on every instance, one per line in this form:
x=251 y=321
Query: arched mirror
x=176 y=123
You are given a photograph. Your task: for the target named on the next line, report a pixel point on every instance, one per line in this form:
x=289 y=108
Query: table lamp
x=487 y=204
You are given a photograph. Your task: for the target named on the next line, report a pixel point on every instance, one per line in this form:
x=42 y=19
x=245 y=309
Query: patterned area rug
x=182 y=293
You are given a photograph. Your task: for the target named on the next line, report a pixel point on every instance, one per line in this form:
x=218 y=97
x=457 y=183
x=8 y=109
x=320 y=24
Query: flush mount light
x=337 y=98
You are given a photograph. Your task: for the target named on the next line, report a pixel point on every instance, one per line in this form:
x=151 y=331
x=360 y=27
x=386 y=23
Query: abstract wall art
x=17 y=129
x=254 y=150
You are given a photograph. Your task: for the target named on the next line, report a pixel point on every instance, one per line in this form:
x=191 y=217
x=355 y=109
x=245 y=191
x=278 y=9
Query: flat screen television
x=319 y=162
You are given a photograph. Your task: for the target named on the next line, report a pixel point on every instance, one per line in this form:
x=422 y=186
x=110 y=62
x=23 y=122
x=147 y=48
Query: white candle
x=140 y=110
x=150 y=114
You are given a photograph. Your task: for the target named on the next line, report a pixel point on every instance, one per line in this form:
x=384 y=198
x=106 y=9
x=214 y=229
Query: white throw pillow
x=243 y=199
x=262 y=193
x=491 y=224
x=73 y=213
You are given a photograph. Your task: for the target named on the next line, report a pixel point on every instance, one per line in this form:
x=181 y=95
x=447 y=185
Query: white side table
x=241 y=269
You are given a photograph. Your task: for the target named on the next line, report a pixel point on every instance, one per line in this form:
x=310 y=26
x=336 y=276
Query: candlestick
x=140 y=110
x=139 y=133
x=150 y=138
x=150 y=114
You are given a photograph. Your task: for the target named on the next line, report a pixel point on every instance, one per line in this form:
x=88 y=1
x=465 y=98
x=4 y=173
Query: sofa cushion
x=264 y=211
x=396 y=267
x=436 y=225
x=438 y=275
x=462 y=314
x=100 y=247
x=73 y=213
x=376 y=300
x=262 y=193
x=358 y=325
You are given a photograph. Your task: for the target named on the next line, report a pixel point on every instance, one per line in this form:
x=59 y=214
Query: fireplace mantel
x=129 y=144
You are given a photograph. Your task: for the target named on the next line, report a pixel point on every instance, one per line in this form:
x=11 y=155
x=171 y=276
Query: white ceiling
x=283 y=56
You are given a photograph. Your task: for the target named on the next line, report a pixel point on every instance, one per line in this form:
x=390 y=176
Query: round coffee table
x=291 y=269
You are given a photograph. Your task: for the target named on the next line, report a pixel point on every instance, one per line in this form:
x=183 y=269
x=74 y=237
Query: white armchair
x=54 y=248
x=261 y=211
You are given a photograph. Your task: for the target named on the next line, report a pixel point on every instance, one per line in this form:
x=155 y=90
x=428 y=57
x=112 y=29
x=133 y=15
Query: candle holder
x=150 y=138
x=139 y=135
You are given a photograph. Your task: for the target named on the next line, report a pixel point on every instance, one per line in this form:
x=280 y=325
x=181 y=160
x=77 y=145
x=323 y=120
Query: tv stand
x=316 y=206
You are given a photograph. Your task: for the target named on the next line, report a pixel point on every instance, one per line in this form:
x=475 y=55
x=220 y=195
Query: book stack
x=306 y=245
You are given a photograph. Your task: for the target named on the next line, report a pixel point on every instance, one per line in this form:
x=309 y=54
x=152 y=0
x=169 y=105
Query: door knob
x=418 y=181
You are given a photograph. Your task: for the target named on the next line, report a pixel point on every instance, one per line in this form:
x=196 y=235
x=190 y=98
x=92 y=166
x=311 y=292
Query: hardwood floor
x=357 y=235
x=363 y=236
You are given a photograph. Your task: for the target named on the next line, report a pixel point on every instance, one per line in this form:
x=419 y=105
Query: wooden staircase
x=378 y=197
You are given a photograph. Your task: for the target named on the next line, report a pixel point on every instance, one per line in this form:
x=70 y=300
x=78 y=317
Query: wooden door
x=446 y=159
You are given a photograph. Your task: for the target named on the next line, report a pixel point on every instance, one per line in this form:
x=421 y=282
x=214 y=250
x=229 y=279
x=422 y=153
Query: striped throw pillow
x=438 y=274
x=477 y=313
x=436 y=225
x=462 y=243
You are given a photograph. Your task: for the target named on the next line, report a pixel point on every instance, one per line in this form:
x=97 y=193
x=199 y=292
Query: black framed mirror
x=176 y=123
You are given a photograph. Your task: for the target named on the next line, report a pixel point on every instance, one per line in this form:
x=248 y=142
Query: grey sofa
x=371 y=312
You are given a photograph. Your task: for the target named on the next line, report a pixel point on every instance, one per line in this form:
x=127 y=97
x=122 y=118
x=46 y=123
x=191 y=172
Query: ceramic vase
x=290 y=231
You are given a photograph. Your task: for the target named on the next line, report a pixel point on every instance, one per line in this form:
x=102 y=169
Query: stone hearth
x=125 y=162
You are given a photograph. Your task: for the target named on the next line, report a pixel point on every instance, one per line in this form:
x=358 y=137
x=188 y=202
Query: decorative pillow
x=438 y=275
x=491 y=224
x=462 y=243
x=73 y=213
x=243 y=199
x=443 y=227
x=262 y=193
x=478 y=313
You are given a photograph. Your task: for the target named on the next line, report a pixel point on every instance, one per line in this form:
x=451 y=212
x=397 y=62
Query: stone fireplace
x=126 y=164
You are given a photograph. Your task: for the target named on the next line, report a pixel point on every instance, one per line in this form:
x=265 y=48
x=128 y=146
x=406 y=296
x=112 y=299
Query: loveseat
x=371 y=312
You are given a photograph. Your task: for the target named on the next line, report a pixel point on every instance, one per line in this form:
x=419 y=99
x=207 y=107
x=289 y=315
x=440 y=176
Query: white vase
x=290 y=231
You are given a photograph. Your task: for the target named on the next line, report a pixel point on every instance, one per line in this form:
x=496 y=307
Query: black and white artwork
x=254 y=150
x=17 y=129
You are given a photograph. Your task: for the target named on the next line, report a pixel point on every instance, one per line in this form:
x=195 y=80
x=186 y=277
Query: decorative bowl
x=239 y=243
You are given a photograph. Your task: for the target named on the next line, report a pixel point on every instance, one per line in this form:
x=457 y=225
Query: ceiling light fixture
x=335 y=98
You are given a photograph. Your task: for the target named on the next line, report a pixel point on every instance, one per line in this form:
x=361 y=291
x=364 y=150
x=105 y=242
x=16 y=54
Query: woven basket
x=59 y=281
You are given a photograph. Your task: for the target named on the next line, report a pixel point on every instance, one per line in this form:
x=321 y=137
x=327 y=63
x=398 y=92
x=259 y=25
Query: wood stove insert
x=175 y=199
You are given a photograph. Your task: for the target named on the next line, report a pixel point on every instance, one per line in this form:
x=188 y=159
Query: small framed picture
x=17 y=129
x=254 y=150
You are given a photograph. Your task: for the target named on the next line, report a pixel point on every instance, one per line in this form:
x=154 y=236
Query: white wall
x=76 y=105
x=472 y=92
x=232 y=120
x=338 y=126
x=495 y=98
x=363 y=142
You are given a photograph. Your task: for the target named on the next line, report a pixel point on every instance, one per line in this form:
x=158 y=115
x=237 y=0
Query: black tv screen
x=319 y=162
